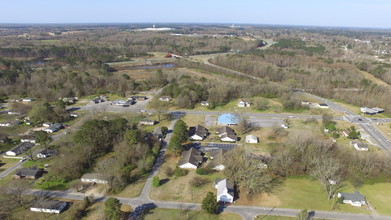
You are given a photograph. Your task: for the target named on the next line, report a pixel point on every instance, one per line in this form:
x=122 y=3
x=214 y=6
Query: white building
x=243 y=104
x=225 y=191
x=358 y=145
x=354 y=199
x=252 y=139
x=48 y=206
x=94 y=178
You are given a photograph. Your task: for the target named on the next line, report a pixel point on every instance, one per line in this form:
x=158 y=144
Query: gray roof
x=28 y=172
x=97 y=176
x=199 y=131
x=48 y=204
x=354 y=197
x=224 y=184
x=226 y=132
x=157 y=131
x=192 y=156
x=218 y=157
x=22 y=147
x=55 y=127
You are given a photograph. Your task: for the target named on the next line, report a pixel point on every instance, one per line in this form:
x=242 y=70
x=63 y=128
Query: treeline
x=316 y=75
x=326 y=161
x=132 y=153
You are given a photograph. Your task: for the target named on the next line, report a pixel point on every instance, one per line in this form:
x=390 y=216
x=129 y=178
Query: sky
x=340 y=13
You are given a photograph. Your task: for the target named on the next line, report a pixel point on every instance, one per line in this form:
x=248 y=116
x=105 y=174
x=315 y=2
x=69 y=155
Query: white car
x=143 y=110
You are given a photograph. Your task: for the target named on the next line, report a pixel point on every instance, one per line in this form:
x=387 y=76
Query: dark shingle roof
x=192 y=156
x=354 y=197
x=226 y=132
x=218 y=157
x=198 y=130
x=48 y=204
x=28 y=172
x=22 y=147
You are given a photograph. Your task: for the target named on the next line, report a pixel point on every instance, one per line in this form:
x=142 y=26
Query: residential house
x=28 y=138
x=53 y=128
x=94 y=178
x=358 y=145
x=226 y=134
x=227 y=119
x=47 y=124
x=147 y=122
x=354 y=199
x=21 y=148
x=10 y=123
x=198 y=133
x=252 y=139
x=46 y=153
x=28 y=99
x=217 y=159
x=323 y=105
x=346 y=132
x=243 y=103
x=138 y=98
x=165 y=98
x=70 y=100
x=28 y=173
x=204 y=103
x=49 y=206
x=191 y=159
x=225 y=191
x=14 y=112
x=305 y=103
x=285 y=126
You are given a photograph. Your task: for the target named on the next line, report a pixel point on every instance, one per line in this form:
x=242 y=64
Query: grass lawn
x=96 y=211
x=193 y=120
x=133 y=190
x=302 y=193
x=6 y=163
x=385 y=129
x=178 y=188
x=178 y=214
x=379 y=196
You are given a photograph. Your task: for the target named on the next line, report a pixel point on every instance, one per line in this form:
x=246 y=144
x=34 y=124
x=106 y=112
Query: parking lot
x=109 y=106
x=208 y=147
x=210 y=121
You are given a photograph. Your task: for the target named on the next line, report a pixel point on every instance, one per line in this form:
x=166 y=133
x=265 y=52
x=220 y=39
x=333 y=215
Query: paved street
x=11 y=169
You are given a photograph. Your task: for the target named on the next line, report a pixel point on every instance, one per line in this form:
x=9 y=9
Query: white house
x=165 y=98
x=226 y=134
x=49 y=206
x=27 y=99
x=47 y=124
x=358 y=145
x=191 y=159
x=53 y=128
x=252 y=139
x=243 y=104
x=94 y=178
x=5 y=124
x=225 y=191
x=198 y=133
x=284 y=126
x=323 y=105
x=21 y=148
x=147 y=122
x=354 y=199
x=28 y=138
x=217 y=159
x=204 y=103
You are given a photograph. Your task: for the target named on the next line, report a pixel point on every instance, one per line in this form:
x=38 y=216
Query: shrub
x=169 y=171
x=180 y=172
x=155 y=181
x=204 y=171
x=198 y=181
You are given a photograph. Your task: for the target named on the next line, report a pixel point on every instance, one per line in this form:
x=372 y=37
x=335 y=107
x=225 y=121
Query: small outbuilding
x=252 y=139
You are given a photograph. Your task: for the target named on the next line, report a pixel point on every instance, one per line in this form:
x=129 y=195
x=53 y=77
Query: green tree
x=113 y=209
x=303 y=215
x=159 y=107
x=132 y=136
x=155 y=181
x=354 y=134
x=209 y=203
x=43 y=138
x=42 y=112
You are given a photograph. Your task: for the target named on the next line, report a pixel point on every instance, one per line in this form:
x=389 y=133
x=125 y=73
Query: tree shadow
x=140 y=212
x=164 y=181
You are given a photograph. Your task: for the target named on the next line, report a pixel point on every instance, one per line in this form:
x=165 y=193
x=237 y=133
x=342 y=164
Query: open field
x=96 y=211
x=379 y=196
x=178 y=188
x=133 y=190
x=177 y=214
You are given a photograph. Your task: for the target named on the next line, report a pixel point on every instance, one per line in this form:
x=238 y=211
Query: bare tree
x=159 y=107
x=327 y=170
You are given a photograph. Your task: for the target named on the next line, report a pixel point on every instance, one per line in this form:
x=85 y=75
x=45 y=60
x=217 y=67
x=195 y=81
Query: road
x=11 y=169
